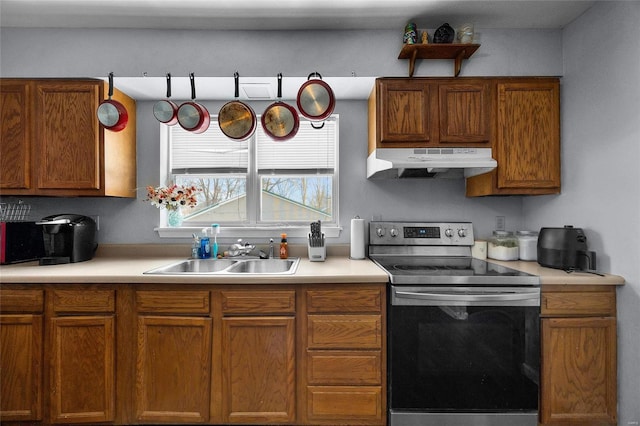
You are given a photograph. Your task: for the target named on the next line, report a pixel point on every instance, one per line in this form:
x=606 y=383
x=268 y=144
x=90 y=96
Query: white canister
x=528 y=245
x=503 y=245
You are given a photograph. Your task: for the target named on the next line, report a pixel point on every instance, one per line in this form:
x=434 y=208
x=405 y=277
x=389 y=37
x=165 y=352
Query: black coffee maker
x=68 y=238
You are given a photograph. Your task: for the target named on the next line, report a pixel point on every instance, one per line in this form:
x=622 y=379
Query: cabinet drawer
x=579 y=303
x=344 y=368
x=187 y=302
x=331 y=403
x=344 y=332
x=84 y=301
x=259 y=302
x=21 y=301
x=355 y=300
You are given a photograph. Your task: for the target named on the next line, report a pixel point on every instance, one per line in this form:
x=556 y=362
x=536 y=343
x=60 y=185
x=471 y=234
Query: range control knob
x=448 y=232
x=393 y=232
x=380 y=232
x=462 y=233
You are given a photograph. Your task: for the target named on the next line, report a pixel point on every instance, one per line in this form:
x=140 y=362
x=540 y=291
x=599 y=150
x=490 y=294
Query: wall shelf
x=455 y=51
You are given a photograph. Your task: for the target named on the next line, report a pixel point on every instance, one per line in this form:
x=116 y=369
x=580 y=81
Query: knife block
x=317 y=254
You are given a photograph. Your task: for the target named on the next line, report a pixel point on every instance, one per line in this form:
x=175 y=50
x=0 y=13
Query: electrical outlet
x=632 y=423
x=500 y=223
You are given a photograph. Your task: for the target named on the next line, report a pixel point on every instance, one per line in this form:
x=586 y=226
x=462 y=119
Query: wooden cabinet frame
x=197 y=353
x=52 y=143
x=578 y=370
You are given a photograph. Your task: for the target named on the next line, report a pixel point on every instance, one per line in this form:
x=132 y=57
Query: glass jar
x=528 y=245
x=503 y=245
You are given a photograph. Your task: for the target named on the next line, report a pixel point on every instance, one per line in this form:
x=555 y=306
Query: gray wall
x=597 y=54
x=129 y=53
x=600 y=157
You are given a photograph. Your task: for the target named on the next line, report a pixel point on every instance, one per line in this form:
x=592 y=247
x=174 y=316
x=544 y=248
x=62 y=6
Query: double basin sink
x=242 y=266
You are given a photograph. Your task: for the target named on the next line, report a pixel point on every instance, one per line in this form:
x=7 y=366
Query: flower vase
x=174 y=218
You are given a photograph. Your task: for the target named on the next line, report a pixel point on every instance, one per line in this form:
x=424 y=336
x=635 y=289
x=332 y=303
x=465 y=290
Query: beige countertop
x=549 y=276
x=127 y=264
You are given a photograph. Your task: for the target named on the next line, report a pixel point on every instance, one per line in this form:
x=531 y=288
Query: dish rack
x=14 y=212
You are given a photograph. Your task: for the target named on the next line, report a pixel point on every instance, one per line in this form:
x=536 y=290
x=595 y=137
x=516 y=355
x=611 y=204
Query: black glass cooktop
x=430 y=270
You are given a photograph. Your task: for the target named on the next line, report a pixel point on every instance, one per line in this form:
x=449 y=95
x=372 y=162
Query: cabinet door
x=528 y=135
x=21 y=367
x=82 y=369
x=15 y=143
x=258 y=364
x=173 y=379
x=405 y=113
x=68 y=138
x=578 y=383
x=465 y=113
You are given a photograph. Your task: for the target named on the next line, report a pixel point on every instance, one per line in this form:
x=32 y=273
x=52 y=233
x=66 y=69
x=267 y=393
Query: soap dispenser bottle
x=205 y=244
x=216 y=231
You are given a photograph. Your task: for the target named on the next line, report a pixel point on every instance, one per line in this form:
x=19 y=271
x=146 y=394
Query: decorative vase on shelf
x=174 y=217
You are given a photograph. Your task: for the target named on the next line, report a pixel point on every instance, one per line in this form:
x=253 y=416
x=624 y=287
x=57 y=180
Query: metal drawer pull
x=468 y=297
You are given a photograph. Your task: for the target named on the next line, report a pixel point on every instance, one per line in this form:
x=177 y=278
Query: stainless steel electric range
x=464 y=333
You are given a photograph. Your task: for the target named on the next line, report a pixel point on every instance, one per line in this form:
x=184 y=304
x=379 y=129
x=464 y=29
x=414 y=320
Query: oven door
x=464 y=356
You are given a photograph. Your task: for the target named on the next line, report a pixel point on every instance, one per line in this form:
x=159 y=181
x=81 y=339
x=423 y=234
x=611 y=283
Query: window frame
x=255 y=229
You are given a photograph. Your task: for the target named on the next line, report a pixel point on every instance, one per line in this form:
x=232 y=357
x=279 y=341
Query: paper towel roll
x=357 y=238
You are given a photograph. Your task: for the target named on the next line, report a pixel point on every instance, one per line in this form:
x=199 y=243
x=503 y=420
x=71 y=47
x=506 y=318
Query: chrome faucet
x=270 y=248
x=239 y=249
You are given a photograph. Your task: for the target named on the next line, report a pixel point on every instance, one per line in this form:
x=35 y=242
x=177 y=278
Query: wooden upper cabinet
x=465 y=112
x=67 y=136
x=15 y=128
x=527 y=142
x=53 y=144
x=404 y=113
x=426 y=112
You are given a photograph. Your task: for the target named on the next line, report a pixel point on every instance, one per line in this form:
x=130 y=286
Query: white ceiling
x=286 y=14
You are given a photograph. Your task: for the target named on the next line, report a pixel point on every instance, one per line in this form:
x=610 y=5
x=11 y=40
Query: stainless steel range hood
x=394 y=163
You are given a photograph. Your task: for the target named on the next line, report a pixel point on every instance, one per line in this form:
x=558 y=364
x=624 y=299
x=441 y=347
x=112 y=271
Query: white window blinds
x=312 y=150
x=207 y=152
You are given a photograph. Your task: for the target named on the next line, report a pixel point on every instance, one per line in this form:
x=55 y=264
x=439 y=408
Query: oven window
x=464 y=358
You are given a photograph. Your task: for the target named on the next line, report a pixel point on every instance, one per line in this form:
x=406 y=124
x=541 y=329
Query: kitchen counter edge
x=127 y=264
x=550 y=276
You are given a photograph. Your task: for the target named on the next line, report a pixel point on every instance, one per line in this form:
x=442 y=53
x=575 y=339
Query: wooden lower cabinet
x=258 y=356
x=258 y=365
x=345 y=356
x=81 y=351
x=173 y=361
x=21 y=367
x=82 y=369
x=579 y=375
x=193 y=354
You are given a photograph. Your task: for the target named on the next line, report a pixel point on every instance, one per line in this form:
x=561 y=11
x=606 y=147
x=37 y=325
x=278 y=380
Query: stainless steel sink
x=264 y=266
x=229 y=267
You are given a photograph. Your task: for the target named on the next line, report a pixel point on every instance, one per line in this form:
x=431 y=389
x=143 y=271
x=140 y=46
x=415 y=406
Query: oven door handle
x=520 y=297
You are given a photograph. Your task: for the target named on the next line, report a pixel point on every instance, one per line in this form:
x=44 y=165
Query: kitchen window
x=257 y=185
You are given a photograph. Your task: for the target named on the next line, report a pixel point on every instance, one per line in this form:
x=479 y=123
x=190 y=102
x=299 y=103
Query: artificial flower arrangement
x=172 y=197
